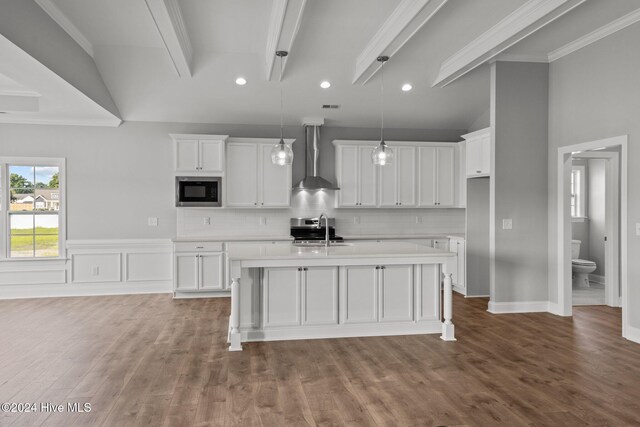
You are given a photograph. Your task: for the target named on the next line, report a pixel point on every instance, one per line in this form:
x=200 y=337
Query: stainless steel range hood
x=311 y=180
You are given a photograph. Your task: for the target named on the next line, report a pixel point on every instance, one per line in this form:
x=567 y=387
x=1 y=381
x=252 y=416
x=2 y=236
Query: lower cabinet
x=299 y=296
x=198 y=272
x=377 y=293
x=459 y=273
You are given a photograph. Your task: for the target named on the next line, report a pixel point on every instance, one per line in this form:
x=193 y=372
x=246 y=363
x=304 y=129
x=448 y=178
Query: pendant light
x=382 y=154
x=281 y=153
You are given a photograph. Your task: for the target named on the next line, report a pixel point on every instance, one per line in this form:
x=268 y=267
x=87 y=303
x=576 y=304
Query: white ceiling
x=229 y=39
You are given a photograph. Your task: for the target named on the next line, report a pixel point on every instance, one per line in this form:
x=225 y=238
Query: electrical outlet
x=418 y=220
x=263 y=220
x=152 y=221
x=507 y=224
x=206 y=220
x=356 y=220
x=95 y=271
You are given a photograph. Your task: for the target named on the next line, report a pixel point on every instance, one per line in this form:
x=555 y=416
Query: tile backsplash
x=275 y=222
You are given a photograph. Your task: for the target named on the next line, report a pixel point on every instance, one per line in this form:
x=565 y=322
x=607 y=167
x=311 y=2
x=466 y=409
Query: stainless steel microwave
x=198 y=191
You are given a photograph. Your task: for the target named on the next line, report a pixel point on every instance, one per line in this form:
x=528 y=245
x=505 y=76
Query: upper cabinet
x=251 y=179
x=478 y=153
x=422 y=174
x=199 y=155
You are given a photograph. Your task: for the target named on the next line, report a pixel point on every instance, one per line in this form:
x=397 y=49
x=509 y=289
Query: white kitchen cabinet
x=252 y=181
x=319 y=296
x=398 y=179
x=436 y=176
x=396 y=292
x=442 y=244
x=198 y=267
x=359 y=294
x=281 y=297
x=199 y=272
x=459 y=273
x=356 y=176
x=199 y=155
x=478 y=153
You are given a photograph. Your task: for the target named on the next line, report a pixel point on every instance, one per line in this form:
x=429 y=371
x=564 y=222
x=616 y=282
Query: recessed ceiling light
x=241 y=81
x=325 y=85
x=407 y=87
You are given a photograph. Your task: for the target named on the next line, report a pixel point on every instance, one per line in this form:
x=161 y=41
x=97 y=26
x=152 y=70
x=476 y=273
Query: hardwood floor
x=150 y=360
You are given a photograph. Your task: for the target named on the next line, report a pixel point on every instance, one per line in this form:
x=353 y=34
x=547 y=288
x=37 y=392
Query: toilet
x=580 y=267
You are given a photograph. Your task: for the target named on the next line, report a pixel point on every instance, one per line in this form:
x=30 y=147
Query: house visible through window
x=578 y=192
x=32 y=193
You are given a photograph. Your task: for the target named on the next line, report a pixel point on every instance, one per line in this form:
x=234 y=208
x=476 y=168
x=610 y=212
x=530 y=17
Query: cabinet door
x=211 y=156
x=186 y=155
x=396 y=293
x=187 y=272
x=281 y=297
x=275 y=182
x=242 y=175
x=348 y=176
x=211 y=272
x=320 y=296
x=446 y=180
x=406 y=164
x=366 y=177
x=388 y=194
x=485 y=157
x=474 y=156
x=427 y=176
x=359 y=294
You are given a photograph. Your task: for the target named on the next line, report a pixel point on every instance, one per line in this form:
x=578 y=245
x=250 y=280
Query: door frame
x=612 y=226
x=564 y=287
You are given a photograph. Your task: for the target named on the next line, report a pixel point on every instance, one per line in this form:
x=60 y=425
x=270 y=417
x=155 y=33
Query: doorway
x=614 y=152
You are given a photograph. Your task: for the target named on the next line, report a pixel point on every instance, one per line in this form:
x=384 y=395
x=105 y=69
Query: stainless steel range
x=309 y=230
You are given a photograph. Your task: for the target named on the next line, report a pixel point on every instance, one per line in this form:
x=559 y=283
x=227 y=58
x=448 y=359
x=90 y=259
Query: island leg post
x=234 y=320
x=447 y=325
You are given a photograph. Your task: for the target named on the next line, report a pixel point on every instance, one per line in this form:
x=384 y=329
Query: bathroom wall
x=596 y=212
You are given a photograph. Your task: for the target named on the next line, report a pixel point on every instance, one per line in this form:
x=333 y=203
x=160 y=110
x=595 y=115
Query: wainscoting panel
x=93 y=267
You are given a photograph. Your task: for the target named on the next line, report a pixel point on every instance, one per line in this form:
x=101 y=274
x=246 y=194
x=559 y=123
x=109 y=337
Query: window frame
x=581 y=202
x=5 y=183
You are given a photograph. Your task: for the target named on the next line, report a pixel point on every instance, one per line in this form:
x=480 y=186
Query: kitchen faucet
x=326 y=227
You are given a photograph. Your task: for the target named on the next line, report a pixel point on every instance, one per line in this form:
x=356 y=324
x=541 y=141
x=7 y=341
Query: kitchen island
x=286 y=291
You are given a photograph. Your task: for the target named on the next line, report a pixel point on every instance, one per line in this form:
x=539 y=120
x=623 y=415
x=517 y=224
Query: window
x=578 y=192
x=33 y=207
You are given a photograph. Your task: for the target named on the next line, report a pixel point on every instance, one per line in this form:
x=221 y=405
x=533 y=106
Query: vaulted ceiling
x=177 y=60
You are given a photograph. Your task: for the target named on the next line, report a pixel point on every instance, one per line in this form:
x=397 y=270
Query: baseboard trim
x=193 y=295
x=632 y=334
x=460 y=290
x=518 y=307
x=596 y=278
x=477 y=296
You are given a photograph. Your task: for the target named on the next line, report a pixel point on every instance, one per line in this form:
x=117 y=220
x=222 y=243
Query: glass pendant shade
x=382 y=154
x=281 y=154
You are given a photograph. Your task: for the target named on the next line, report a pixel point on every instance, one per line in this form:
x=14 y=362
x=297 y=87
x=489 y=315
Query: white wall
x=596 y=210
x=594 y=94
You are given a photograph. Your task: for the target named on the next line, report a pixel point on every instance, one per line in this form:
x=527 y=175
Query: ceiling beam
x=167 y=16
x=61 y=19
x=403 y=23
x=284 y=24
x=524 y=21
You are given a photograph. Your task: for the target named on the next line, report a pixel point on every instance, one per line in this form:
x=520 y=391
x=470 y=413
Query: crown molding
x=21 y=120
x=61 y=19
x=401 y=25
x=594 y=36
x=167 y=16
x=524 y=21
x=284 y=23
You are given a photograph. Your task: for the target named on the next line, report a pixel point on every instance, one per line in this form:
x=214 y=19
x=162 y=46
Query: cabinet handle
x=255 y=204
x=383 y=267
x=377 y=267
x=262 y=204
x=305 y=269
x=299 y=268
x=199 y=247
x=478 y=171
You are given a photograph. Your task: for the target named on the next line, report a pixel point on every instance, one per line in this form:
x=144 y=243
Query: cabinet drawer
x=198 y=246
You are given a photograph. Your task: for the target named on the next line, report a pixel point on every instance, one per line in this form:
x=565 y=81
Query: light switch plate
x=507 y=224
x=263 y=220
x=206 y=220
x=418 y=220
x=152 y=221
x=356 y=220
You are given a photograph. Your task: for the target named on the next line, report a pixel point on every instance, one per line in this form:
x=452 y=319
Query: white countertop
x=245 y=238
x=403 y=236
x=261 y=251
